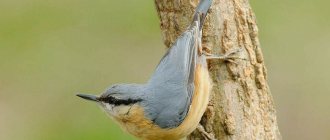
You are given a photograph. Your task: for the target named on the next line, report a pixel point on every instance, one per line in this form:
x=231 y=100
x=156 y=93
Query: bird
x=170 y=105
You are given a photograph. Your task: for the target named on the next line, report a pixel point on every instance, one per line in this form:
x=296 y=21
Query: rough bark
x=241 y=107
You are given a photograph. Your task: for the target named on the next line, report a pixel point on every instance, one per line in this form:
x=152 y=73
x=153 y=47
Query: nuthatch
x=170 y=105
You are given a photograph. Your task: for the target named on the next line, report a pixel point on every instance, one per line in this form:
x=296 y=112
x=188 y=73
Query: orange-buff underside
x=136 y=123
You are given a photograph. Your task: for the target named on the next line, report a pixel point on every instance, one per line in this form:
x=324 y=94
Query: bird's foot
x=229 y=56
x=205 y=134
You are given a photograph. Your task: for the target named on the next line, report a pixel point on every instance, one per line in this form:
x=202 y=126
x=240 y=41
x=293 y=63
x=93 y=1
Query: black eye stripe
x=115 y=101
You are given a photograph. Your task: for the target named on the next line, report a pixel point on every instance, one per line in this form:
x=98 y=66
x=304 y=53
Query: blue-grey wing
x=172 y=84
x=178 y=64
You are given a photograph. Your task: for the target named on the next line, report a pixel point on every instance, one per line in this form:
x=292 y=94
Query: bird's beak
x=89 y=97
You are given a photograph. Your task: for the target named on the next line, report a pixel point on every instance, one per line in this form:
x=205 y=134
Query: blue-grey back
x=171 y=87
x=172 y=84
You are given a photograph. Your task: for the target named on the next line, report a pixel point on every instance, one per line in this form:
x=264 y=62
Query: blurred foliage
x=50 y=50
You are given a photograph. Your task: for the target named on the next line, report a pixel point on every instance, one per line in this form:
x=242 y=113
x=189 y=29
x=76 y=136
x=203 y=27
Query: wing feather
x=173 y=79
x=171 y=87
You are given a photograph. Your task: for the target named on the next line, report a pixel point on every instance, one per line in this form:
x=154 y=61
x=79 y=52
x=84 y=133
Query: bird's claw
x=205 y=134
x=229 y=56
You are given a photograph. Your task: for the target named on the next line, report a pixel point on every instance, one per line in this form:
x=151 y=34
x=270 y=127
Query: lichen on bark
x=241 y=106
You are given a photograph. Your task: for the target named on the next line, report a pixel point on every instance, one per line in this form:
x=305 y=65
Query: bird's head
x=118 y=99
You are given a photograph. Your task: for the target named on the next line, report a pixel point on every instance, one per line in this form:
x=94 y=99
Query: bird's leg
x=229 y=56
x=206 y=135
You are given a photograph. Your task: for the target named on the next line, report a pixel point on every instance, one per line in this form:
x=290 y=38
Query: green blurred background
x=50 y=50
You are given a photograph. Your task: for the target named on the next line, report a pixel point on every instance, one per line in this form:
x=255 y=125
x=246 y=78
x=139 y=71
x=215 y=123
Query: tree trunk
x=241 y=107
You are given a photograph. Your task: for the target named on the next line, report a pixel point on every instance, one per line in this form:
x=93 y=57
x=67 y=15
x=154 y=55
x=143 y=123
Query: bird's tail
x=201 y=11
